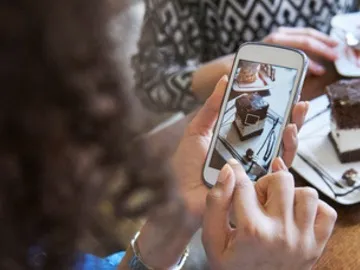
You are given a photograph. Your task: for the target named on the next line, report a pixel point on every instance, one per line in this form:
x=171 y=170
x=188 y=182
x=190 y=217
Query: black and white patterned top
x=179 y=35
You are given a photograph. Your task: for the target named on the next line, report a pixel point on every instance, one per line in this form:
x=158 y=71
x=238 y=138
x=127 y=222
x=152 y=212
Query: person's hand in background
x=316 y=44
x=278 y=226
x=190 y=156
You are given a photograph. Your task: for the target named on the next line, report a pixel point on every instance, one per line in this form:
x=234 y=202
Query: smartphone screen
x=255 y=113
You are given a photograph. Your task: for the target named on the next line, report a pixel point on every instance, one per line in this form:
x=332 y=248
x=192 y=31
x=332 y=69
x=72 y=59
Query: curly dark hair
x=66 y=133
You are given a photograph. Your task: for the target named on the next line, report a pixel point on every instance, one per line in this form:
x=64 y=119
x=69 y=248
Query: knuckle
x=312 y=256
x=285 y=242
x=308 y=31
x=329 y=212
x=283 y=184
x=272 y=38
x=309 y=250
x=284 y=237
x=309 y=193
x=242 y=183
x=213 y=195
x=249 y=230
x=306 y=43
x=285 y=177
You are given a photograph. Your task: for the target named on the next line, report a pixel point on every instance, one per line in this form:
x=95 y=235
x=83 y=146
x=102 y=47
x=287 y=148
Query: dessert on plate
x=351 y=177
x=344 y=97
x=251 y=111
x=248 y=72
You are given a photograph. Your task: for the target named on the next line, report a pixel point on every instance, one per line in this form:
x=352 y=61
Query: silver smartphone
x=264 y=84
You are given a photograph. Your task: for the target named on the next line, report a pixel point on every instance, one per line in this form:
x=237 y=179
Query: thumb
x=216 y=225
x=205 y=120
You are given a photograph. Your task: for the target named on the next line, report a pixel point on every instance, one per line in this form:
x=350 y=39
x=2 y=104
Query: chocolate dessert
x=249 y=154
x=344 y=97
x=251 y=111
x=248 y=72
x=351 y=177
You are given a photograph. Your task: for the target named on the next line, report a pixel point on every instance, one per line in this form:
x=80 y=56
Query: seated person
x=186 y=46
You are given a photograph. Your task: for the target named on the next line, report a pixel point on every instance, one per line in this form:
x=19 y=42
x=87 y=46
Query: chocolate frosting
x=344 y=97
x=251 y=103
x=347 y=91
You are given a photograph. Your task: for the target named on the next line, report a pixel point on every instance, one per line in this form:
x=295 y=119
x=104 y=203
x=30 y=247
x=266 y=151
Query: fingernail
x=232 y=161
x=319 y=69
x=335 y=42
x=307 y=106
x=224 y=173
x=280 y=164
x=294 y=130
x=225 y=78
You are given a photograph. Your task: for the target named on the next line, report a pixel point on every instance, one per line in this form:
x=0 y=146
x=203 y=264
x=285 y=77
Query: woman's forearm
x=163 y=240
x=206 y=76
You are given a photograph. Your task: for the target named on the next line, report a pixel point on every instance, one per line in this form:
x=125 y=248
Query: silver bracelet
x=137 y=263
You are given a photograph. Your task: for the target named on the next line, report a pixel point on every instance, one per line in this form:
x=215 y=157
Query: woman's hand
x=278 y=226
x=190 y=156
x=315 y=43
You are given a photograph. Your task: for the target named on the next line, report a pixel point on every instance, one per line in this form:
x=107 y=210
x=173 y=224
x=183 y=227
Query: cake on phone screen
x=254 y=115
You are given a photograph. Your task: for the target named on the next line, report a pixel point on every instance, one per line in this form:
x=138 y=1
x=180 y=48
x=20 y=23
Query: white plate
x=245 y=88
x=262 y=83
x=316 y=147
x=348 y=22
x=347 y=65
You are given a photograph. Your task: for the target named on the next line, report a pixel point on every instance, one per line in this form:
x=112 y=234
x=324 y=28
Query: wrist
x=205 y=78
x=163 y=240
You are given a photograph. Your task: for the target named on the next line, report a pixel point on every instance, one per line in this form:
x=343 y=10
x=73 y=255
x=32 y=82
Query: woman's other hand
x=319 y=47
x=188 y=161
x=315 y=43
x=278 y=226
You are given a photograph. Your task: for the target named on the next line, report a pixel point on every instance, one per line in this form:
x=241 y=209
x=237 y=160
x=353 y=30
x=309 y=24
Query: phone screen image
x=254 y=116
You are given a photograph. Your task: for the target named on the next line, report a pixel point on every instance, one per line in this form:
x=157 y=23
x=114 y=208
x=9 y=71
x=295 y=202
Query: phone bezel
x=266 y=54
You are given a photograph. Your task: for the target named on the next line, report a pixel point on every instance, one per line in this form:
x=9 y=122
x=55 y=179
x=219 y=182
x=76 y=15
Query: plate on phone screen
x=262 y=83
x=348 y=63
x=317 y=161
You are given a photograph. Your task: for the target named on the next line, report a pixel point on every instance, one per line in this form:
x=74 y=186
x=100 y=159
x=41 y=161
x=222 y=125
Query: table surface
x=343 y=249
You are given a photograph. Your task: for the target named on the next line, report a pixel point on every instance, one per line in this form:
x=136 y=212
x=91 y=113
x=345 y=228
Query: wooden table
x=343 y=249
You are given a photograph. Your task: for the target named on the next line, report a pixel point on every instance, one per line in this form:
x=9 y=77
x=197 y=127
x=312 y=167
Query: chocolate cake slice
x=344 y=97
x=251 y=111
